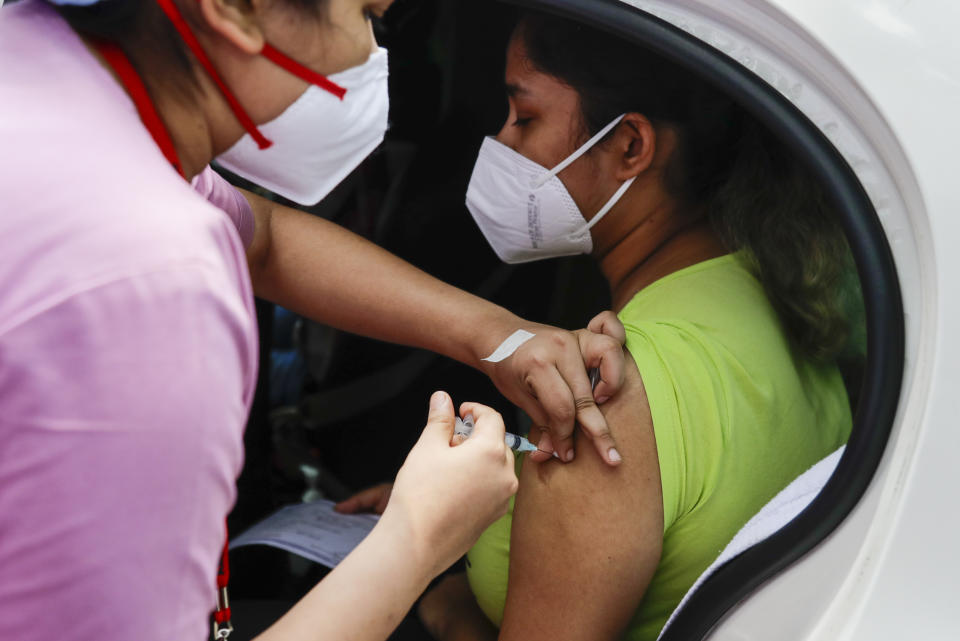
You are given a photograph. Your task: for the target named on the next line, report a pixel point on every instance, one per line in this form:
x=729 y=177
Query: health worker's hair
x=727 y=166
x=148 y=38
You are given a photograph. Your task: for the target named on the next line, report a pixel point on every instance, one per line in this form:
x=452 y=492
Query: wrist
x=398 y=533
x=490 y=332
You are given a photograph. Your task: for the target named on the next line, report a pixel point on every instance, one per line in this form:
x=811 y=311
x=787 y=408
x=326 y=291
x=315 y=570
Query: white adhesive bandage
x=509 y=346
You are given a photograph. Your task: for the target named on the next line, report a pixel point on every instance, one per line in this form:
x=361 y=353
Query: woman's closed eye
x=521 y=122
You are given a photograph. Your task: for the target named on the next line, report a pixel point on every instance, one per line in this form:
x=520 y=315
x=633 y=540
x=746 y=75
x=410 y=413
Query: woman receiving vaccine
x=128 y=343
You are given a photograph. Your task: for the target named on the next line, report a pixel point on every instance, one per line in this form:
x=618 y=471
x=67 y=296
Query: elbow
x=259 y=253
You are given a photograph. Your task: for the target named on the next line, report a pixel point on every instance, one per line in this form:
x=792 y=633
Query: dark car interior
x=336 y=413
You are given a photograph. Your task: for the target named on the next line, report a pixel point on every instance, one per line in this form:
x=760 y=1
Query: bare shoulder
x=628 y=415
x=586 y=537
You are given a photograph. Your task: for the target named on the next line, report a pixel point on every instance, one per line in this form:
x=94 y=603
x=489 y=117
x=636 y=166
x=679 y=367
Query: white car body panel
x=881 y=78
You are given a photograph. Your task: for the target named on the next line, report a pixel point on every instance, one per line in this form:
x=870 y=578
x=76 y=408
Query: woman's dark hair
x=760 y=201
x=148 y=38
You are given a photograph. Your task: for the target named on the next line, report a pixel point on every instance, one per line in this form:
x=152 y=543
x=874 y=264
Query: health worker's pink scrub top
x=128 y=355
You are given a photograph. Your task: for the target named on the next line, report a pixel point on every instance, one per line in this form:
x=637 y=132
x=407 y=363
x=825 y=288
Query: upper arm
x=586 y=537
x=259 y=247
x=228 y=199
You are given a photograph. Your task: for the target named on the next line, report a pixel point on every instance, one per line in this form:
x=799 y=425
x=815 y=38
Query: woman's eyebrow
x=515 y=90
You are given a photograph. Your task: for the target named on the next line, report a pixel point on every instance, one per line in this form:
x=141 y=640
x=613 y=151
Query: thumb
x=441 y=418
x=348 y=506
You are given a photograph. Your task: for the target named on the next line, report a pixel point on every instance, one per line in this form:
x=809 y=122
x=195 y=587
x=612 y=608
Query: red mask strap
x=173 y=13
x=304 y=73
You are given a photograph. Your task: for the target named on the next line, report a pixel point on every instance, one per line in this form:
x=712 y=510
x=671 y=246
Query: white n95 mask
x=524 y=210
x=320 y=138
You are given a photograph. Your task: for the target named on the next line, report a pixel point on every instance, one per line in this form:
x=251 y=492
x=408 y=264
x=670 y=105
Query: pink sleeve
x=225 y=196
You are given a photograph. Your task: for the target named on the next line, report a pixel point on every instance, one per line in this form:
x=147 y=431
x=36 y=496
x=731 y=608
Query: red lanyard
x=131 y=81
x=116 y=58
x=221 y=616
x=141 y=98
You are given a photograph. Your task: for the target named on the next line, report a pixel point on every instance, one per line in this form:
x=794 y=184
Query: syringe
x=516 y=443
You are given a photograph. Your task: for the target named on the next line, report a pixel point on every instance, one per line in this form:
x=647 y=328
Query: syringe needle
x=516 y=443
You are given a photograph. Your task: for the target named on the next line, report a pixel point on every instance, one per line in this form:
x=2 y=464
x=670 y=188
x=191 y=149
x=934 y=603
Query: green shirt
x=737 y=415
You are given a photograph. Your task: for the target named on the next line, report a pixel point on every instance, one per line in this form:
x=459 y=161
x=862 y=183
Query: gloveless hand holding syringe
x=464 y=427
x=516 y=443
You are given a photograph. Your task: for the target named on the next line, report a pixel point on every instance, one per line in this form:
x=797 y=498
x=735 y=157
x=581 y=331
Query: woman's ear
x=636 y=139
x=236 y=21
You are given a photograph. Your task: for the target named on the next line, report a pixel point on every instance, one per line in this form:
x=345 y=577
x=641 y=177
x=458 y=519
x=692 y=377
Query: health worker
x=128 y=341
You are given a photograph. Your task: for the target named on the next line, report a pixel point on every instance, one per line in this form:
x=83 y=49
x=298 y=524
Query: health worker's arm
x=327 y=273
x=423 y=530
x=585 y=542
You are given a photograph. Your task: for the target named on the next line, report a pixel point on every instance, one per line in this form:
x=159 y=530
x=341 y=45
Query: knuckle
x=495 y=450
x=528 y=382
x=560 y=339
x=538 y=359
x=584 y=402
x=563 y=413
x=600 y=433
x=606 y=343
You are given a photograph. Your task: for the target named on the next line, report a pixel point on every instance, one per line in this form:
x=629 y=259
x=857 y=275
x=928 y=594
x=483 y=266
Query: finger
x=539 y=456
x=527 y=398
x=595 y=427
x=441 y=419
x=531 y=406
x=589 y=416
x=348 y=506
x=381 y=505
x=612 y=374
x=540 y=438
x=604 y=443
x=557 y=400
x=545 y=443
x=364 y=500
x=576 y=377
x=368 y=499
x=487 y=422
x=605 y=391
x=606 y=354
x=608 y=324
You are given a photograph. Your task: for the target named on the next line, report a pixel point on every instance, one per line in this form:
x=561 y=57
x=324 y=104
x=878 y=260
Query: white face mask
x=524 y=210
x=319 y=139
